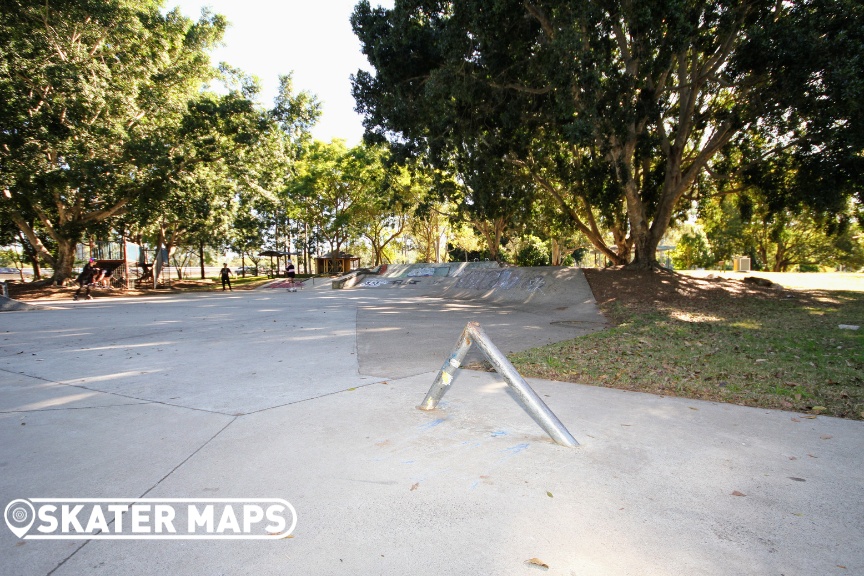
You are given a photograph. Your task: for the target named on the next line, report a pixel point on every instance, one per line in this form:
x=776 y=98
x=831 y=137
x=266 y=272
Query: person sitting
x=85 y=279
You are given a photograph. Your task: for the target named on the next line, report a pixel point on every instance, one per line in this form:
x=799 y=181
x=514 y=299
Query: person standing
x=85 y=279
x=225 y=273
x=289 y=271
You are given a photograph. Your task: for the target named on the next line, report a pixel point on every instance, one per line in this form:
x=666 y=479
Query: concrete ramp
x=520 y=308
x=446 y=269
x=548 y=289
x=11 y=305
x=540 y=287
x=414 y=275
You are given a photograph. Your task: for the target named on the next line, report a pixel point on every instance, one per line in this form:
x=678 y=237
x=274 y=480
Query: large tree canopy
x=615 y=108
x=92 y=96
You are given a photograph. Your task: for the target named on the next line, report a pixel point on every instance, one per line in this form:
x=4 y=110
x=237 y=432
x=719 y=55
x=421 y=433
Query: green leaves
x=105 y=116
x=85 y=126
x=616 y=109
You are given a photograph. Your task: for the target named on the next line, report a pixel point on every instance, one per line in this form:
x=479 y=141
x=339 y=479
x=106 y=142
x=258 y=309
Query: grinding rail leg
x=445 y=375
x=535 y=406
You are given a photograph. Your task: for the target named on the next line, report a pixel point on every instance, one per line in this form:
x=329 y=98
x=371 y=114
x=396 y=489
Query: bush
x=691 y=252
x=532 y=254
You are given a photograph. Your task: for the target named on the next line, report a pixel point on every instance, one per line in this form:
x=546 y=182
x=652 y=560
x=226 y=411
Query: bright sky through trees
x=313 y=39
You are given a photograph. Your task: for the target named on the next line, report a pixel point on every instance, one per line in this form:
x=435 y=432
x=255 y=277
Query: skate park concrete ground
x=311 y=396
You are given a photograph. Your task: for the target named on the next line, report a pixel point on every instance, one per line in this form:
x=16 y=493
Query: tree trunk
x=492 y=232
x=556 y=252
x=622 y=256
x=645 y=253
x=64 y=261
x=201 y=257
x=32 y=256
x=378 y=249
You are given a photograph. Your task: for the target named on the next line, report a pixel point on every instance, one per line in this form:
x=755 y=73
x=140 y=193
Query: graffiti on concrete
x=502 y=280
x=535 y=284
x=374 y=283
x=507 y=280
x=421 y=272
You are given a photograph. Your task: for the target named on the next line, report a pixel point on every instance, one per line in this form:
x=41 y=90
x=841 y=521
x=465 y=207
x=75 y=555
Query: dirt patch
x=636 y=291
x=32 y=291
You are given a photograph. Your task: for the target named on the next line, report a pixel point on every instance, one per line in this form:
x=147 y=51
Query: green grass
x=768 y=352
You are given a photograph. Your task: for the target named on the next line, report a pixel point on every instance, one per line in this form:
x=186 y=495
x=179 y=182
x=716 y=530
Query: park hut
x=275 y=254
x=336 y=263
x=113 y=257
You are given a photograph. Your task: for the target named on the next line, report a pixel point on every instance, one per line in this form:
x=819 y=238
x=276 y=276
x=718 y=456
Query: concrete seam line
x=141 y=400
x=151 y=488
x=68 y=557
x=201 y=447
x=73 y=408
x=351 y=389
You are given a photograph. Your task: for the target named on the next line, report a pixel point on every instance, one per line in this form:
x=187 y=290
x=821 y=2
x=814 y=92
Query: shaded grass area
x=240 y=282
x=717 y=340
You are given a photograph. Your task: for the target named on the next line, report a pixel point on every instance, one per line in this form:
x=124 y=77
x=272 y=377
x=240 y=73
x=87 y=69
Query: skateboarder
x=85 y=279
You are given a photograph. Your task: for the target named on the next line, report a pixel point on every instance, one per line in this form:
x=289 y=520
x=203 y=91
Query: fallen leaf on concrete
x=826 y=436
x=796 y=479
x=841 y=566
x=537 y=562
x=793 y=457
x=737 y=493
x=549 y=494
x=693 y=408
x=414 y=486
x=795 y=420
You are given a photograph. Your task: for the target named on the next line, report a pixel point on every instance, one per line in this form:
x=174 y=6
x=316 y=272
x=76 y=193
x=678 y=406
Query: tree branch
x=541 y=18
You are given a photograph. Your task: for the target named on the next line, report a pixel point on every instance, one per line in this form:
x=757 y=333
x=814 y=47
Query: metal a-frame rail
x=474 y=334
